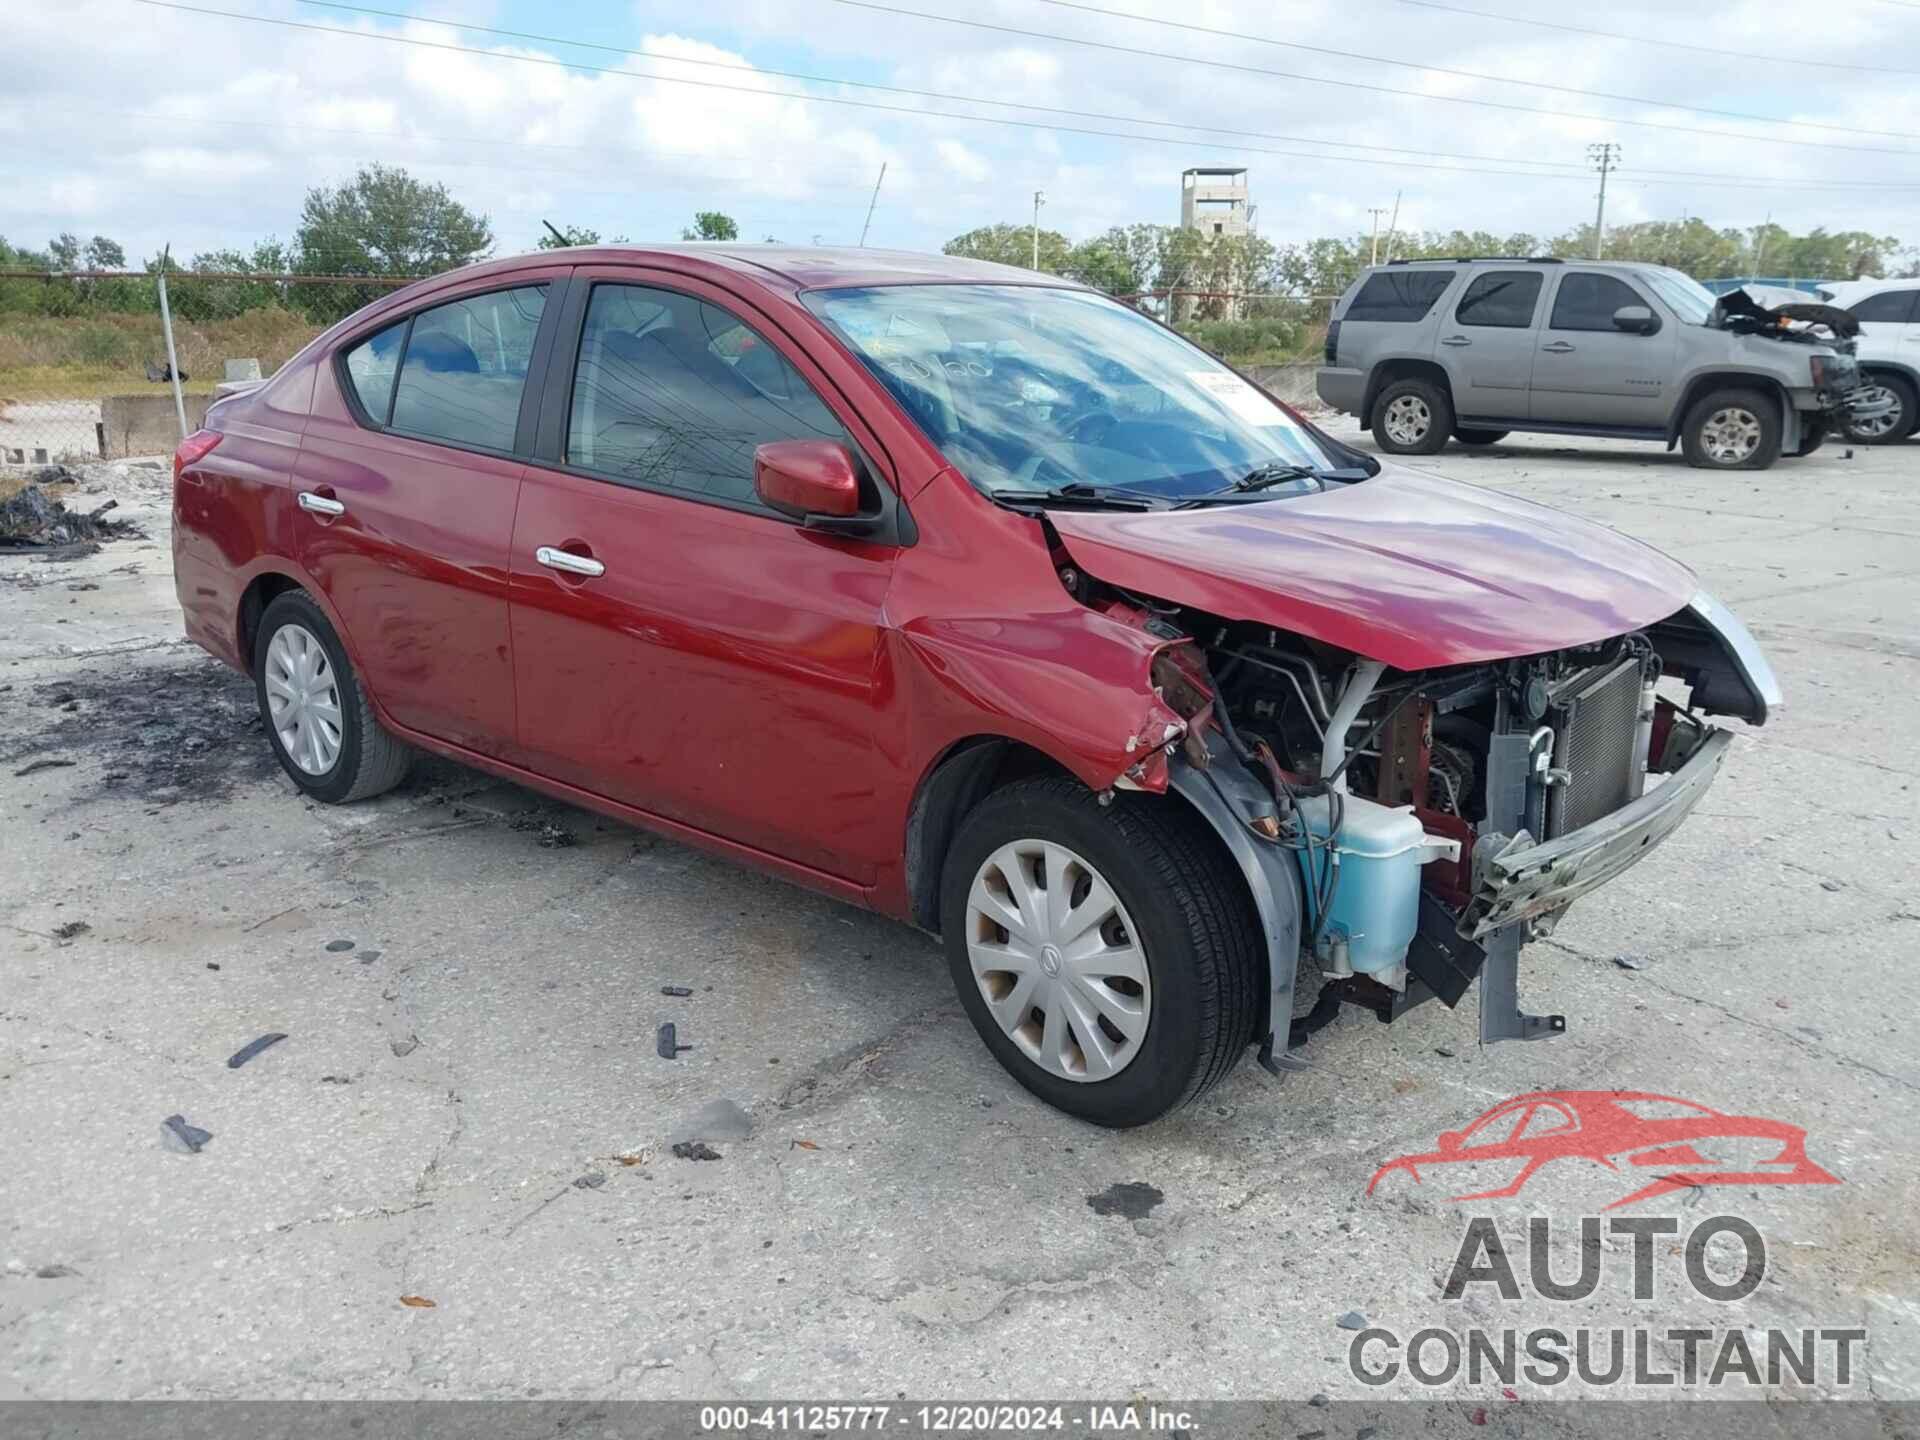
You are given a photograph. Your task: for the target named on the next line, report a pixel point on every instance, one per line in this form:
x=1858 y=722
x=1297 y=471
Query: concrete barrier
x=145 y=424
x=1291 y=384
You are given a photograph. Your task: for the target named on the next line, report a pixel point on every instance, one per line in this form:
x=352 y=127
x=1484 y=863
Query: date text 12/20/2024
x=954 y=1417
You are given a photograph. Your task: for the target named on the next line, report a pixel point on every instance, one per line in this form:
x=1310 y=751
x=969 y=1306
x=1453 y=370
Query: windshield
x=1685 y=296
x=1029 y=389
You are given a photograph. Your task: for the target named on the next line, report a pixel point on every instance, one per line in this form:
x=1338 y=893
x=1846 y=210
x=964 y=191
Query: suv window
x=466 y=366
x=1890 y=307
x=1503 y=298
x=1587 y=301
x=671 y=391
x=370 y=367
x=1399 y=296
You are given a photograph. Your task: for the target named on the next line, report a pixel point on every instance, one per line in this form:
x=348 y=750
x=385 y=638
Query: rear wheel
x=315 y=712
x=1732 y=430
x=1480 y=437
x=1108 y=955
x=1897 y=423
x=1412 y=417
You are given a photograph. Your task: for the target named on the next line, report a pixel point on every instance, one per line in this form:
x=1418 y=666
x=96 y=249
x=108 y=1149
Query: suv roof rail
x=1470 y=259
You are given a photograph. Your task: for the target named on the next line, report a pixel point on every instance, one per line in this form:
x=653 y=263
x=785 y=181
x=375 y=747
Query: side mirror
x=1635 y=319
x=807 y=479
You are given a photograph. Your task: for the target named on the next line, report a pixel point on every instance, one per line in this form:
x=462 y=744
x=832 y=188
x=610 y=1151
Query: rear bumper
x=1531 y=880
x=1340 y=388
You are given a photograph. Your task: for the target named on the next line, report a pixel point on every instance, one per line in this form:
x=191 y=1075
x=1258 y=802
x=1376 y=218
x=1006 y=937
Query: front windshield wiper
x=1274 y=472
x=1079 y=493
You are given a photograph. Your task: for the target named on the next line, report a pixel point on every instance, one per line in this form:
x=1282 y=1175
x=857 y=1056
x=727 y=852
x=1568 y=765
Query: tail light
x=192 y=450
x=1333 y=342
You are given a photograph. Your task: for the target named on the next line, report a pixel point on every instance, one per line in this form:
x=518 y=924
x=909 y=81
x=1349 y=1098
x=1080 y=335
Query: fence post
x=173 y=360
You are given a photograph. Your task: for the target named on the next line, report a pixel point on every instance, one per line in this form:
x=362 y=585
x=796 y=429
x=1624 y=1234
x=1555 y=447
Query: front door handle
x=321 y=504
x=568 y=561
x=1558 y=347
x=1456 y=340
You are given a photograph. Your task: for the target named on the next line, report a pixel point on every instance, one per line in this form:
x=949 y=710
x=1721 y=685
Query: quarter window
x=1893 y=307
x=1501 y=298
x=466 y=368
x=1587 y=301
x=370 y=367
x=673 y=392
x=1402 y=296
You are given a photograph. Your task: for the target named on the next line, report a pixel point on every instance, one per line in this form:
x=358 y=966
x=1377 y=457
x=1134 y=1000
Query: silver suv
x=1475 y=348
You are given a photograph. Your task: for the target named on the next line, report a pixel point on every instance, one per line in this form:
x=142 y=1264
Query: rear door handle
x=320 y=504
x=568 y=561
x=1456 y=340
x=1559 y=347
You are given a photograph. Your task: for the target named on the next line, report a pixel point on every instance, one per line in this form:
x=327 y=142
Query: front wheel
x=1481 y=437
x=314 y=709
x=1732 y=430
x=1895 y=424
x=1109 y=956
x=1412 y=417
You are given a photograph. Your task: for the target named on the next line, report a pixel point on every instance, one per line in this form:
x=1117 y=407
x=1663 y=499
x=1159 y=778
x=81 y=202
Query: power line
x=1663 y=41
x=1462 y=74
x=1354 y=84
x=1104 y=116
x=922 y=113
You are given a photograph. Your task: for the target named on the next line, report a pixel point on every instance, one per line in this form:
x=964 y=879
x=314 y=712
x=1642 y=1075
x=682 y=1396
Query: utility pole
x=873 y=202
x=1373 y=246
x=1393 y=226
x=1605 y=158
x=1039 y=199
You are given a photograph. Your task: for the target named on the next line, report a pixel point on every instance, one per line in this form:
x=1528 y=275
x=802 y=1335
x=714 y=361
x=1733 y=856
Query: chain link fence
x=84 y=373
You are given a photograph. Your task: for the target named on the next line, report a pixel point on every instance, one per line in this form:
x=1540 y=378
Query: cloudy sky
x=155 y=124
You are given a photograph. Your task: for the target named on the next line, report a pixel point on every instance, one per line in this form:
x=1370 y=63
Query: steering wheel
x=1089 y=427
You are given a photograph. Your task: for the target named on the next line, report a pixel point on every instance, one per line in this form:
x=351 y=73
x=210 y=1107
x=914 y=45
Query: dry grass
x=83 y=358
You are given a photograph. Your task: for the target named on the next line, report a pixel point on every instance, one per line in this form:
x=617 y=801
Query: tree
x=64 y=250
x=711 y=225
x=1012 y=244
x=104 y=254
x=385 y=222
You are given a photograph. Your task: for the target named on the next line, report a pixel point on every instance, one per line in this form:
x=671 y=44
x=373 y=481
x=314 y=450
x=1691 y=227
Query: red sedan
x=974 y=597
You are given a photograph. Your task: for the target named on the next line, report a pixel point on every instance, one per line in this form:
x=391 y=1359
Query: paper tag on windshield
x=1238 y=396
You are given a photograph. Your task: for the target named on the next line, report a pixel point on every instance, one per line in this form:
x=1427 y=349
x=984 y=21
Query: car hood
x=1405 y=568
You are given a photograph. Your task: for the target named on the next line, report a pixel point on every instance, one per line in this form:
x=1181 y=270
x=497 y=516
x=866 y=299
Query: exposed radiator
x=1593 y=742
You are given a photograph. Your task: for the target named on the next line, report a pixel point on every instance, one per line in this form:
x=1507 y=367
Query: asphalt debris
x=667 y=1044
x=254 y=1047
x=1352 y=1320
x=403 y=1048
x=72 y=930
x=52 y=762
x=1630 y=962
x=695 y=1150
x=679 y=992
x=592 y=1180
x=550 y=836
x=191 y=1136
x=339 y=947
x=33 y=520
x=54 y=1272
x=1130 y=1199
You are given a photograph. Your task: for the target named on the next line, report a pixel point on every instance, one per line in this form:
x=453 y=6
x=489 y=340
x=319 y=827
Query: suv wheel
x=1898 y=423
x=1108 y=955
x=316 y=714
x=1732 y=430
x=1481 y=437
x=1412 y=417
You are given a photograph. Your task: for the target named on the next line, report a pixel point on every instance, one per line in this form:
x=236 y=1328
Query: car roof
x=791 y=267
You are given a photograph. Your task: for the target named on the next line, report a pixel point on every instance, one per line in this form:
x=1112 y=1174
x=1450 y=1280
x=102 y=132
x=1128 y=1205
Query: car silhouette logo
x=1616 y=1128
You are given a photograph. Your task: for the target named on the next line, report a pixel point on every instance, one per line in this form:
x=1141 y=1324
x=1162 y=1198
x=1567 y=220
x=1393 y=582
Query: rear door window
x=465 y=369
x=370 y=369
x=674 y=393
x=1399 y=296
x=1586 y=301
x=1503 y=299
x=1892 y=307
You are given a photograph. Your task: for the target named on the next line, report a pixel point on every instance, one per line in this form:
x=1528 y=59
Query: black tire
x=1205 y=952
x=369 y=761
x=1439 y=417
x=1813 y=434
x=1480 y=437
x=1762 y=408
x=1905 y=419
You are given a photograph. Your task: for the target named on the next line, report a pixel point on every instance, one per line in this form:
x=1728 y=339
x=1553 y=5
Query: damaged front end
x=1409 y=831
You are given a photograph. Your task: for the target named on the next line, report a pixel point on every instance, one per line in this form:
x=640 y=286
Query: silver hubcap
x=1880 y=424
x=1730 y=435
x=303 y=699
x=1058 y=961
x=1408 y=420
